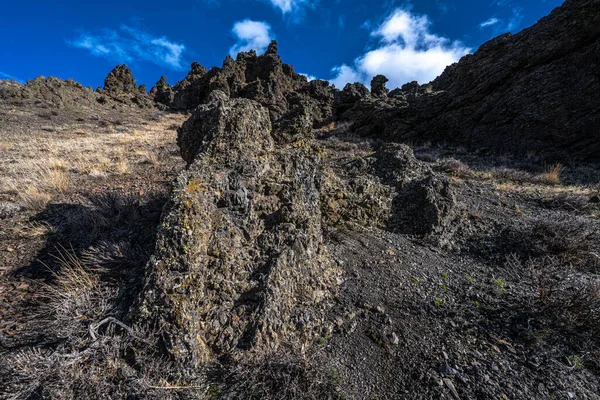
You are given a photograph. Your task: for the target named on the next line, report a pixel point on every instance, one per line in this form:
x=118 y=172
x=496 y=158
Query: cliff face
x=537 y=91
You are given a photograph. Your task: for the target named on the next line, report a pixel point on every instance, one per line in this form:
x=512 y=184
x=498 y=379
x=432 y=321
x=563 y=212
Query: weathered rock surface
x=378 y=88
x=47 y=92
x=240 y=261
x=120 y=79
x=162 y=92
x=52 y=92
x=120 y=86
x=263 y=78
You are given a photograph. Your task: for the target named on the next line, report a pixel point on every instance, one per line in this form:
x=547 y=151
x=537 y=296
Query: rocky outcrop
x=240 y=261
x=49 y=92
x=120 y=79
x=535 y=91
x=265 y=79
x=162 y=92
x=378 y=88
x=120 y=86
x=241 y=265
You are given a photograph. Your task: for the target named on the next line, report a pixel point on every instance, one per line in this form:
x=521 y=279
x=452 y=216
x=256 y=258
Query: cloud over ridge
x=251 y=35
x=406 y=51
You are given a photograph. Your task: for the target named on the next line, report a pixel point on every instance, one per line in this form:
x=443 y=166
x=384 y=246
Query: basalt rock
x=120 y=79
x=240 y=262
x=162 y=92
x=378 y=88
x=120 y=86
x=49 y=92
x=265 y=79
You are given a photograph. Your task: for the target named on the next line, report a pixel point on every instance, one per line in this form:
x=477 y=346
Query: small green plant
x=499 y=282
x=576 y=362
x=445 y=275
x=415 y=281
x=334 y=376
x=438 y=302
x=469 y=278
x=444 y=286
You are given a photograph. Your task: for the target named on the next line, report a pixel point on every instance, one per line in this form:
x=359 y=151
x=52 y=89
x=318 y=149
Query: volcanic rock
x=162 y=92
x=240 y=261
x=378 y=88
x=120 y=79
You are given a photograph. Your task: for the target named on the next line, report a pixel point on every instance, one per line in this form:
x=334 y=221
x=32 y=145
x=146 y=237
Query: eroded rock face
x=162 y=92
x=48 y=92
x=265 y=79
x=120 y=79
x=378 y=88
x=240 y=261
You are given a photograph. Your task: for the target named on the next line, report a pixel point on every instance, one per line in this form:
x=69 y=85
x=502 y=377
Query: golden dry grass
x=32 y=197
x=36 y=165
x=552 y=175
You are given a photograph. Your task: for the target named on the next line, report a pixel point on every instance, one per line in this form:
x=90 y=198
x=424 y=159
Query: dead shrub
x=457 y=168
x=569 y=298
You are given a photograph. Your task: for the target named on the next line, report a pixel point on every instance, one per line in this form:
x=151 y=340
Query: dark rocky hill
x=536 y=91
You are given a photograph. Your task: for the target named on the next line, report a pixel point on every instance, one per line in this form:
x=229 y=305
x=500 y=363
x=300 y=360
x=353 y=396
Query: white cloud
x=10 y=77
x=515 y=20
x=344 y=74
x=499 y=25
x=309 y=77
x=490 y=22
x=407 y=51
x=251 y=35
x=287 y=6
x=130 y=45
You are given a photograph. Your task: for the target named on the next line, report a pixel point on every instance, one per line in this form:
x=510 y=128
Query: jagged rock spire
x=120 y=79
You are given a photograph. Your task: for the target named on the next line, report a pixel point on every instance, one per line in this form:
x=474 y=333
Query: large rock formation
x=536 y=91
x=263 y=78
x=378 y=88
x=120 y=79
x=162 y=92
x=120 y=86
x=240 y=261
x=48 y=92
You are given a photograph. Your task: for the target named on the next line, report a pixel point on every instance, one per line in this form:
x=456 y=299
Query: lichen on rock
x=240 y=262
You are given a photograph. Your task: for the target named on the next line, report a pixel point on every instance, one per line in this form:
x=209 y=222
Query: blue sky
x=337 y=40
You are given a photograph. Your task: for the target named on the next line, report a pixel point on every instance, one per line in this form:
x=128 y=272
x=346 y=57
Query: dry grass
x=122 y=166
x=32 y=197
x=37 y=165
x=457 y=168
x=552 y=175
